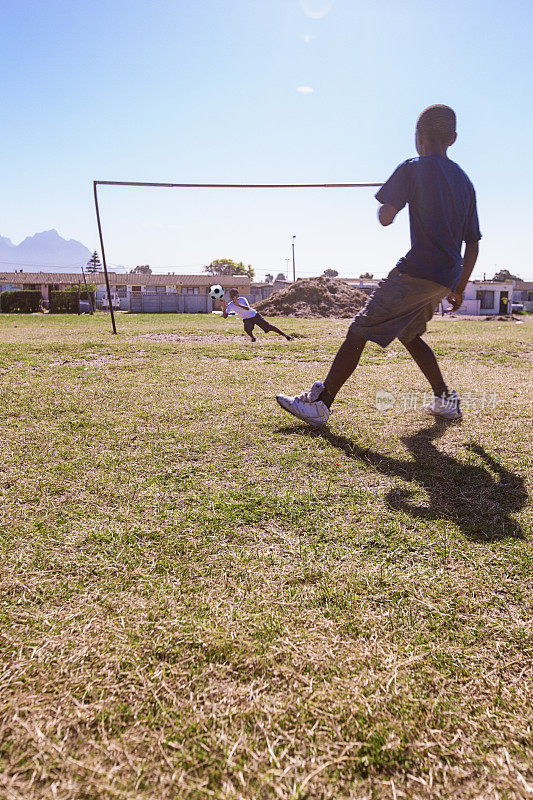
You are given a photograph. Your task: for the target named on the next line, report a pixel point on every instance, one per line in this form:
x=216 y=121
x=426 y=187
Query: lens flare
x=316 y=9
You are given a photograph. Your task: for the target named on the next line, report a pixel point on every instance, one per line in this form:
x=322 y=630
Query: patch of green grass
x=203 y=598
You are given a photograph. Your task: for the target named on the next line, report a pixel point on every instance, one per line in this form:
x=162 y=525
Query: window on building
x=136 y=289
x=33 y=286
x=487 y=299
x=530 y=297
x=158 y=289
x=190 y=290
x=122 y=291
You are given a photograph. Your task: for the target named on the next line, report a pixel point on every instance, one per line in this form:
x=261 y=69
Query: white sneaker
x=446 y=407
x=306 y=406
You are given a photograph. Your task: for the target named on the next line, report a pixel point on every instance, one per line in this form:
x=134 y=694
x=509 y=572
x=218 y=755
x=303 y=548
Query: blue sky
x=209 y=91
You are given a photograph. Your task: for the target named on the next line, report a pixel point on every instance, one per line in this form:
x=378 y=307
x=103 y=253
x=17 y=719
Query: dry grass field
x=203 y=598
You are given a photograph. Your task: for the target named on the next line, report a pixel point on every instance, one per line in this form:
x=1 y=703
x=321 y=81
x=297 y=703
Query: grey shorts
x=400 y=308
x=258 y=320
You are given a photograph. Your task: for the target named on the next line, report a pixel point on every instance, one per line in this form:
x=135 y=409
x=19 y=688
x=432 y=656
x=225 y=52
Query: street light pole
x=293 y=261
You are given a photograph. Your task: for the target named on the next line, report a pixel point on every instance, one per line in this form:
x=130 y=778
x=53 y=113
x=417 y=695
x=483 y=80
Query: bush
x=20 y=301
x=83 y=294
x=62 y=302
x=66 y=301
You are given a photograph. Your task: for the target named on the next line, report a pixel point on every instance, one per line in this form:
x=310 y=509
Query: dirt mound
x=314 y=297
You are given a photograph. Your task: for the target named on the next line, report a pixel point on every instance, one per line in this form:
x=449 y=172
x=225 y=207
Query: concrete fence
x=155 y=303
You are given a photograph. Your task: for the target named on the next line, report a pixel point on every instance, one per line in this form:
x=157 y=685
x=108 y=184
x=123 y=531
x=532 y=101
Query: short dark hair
x=437 y=123
x=233 y=291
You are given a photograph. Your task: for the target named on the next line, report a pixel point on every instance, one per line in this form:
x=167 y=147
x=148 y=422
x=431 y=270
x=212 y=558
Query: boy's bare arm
x=469 y=262
x=387 y=214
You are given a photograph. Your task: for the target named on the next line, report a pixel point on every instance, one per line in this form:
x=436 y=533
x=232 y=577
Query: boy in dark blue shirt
x=442 y=215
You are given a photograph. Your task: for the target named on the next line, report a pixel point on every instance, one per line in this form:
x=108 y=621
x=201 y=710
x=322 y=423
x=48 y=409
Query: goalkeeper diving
x=250 y=317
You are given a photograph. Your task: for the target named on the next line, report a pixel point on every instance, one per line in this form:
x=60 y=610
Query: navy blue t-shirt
x=442 y=215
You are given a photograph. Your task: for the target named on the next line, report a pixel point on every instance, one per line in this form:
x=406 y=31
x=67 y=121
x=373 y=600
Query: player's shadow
x=478 y=498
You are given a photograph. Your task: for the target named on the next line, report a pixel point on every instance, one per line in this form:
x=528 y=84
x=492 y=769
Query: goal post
x=357 y=185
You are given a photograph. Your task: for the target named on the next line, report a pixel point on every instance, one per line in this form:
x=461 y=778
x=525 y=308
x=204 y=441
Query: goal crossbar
x=204 y=186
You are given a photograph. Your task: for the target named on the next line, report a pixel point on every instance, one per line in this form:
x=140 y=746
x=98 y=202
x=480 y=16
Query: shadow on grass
x=478 y=498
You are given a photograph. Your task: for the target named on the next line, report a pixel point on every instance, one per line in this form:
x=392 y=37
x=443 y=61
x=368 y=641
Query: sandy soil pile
x=314 y=297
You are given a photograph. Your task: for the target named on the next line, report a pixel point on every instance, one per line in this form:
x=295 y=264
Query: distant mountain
x=47 y=250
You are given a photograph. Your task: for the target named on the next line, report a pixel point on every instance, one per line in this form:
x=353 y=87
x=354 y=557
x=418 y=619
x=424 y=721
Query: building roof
x=496 y=284
x=136 y=279
x=208 y=280
x=49 y=277
x=124 y=279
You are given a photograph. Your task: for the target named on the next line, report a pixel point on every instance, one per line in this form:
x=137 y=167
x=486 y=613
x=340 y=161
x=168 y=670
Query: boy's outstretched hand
x=455 y=299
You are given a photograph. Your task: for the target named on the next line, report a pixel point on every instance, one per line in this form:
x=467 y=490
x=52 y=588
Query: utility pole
x=293 y=261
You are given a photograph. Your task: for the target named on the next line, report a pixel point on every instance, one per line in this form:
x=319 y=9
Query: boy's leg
x=267 y=326
x=445 y=404
x=343 y=365
x=427 y=362
x=279 y=332
x=314 y=406
x=248 y=329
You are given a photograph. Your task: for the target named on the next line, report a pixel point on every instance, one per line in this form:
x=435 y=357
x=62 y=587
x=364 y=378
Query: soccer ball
x=216 y=292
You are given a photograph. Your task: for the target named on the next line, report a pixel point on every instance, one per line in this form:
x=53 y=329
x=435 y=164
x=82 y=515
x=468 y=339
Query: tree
x=93 y=264
x=141 y=269
x=505 y=275
x=280 y=277
x=225 y=266
x=368 y=275
x=269 y=278
x=330 y=273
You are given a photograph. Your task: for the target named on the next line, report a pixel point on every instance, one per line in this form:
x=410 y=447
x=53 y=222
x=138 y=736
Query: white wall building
x=487 y=298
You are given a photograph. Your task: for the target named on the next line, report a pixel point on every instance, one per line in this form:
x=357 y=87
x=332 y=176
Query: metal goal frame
x=202 y=186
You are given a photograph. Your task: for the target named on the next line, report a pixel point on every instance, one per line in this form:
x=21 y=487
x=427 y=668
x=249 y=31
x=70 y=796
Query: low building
x=523 y=293
x=129 y=290
x=366 y=285
x=45 y=282
x=488 y=298
x=260 y=291
x=140 y=293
